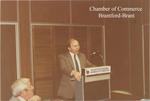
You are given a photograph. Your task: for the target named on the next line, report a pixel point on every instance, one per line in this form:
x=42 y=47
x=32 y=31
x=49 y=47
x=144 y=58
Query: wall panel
x=8 y=55
x=147 y=60
x=50 y=11
x=8 y=10
x=136 y=60
x=85 y=16
x=43 y=61
x=118 y=56
x=24 y=31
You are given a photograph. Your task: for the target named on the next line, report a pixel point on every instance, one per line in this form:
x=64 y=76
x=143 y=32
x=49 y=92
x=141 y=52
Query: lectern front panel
x=96 y=83
x=95 y=91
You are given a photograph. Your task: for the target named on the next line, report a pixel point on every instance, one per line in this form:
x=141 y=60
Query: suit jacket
x=67 y=85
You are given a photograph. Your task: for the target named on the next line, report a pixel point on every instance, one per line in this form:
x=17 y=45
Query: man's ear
x=68 y=48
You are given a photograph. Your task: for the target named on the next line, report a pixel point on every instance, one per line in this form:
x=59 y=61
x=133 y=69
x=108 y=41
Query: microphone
x=102 y=58
x=97 y=56
x=93 y=53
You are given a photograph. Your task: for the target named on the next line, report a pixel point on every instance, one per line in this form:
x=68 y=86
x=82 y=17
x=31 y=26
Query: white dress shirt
x=78 y=61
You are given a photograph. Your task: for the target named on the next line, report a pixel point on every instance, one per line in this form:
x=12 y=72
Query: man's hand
x=77 y=75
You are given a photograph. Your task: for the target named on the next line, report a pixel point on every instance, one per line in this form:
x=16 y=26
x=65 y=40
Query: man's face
x=74 y=47
x=28 y=93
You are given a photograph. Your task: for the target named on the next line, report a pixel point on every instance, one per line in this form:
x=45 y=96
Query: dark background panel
x=146 y=57
x=8 y=56
x=136 y=60
x=8 y=10
x=96 y=45
x=25 y=38
x=60 y=37
x=80 y=33
x=82 y=15
x=43 y=61
x=50 y=11
x=118 y=56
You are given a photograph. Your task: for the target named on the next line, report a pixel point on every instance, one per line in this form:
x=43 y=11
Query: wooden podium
x=91 y=79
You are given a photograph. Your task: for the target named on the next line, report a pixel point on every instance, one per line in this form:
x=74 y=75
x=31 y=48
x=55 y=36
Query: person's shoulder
x=82 y=54
x=63 y=55
x=14 y=99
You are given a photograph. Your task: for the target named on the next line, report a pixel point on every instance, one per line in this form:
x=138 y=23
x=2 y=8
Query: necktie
x=76 y=63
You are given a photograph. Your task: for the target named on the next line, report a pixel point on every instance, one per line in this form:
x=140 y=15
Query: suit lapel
x=70 y=60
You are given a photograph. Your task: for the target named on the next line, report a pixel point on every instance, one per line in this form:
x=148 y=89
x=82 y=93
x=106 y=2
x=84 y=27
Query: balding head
x=70 y=41
x=73 y=45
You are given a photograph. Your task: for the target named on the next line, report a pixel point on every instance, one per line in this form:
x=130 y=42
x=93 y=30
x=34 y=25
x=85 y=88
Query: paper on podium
x=97 y=70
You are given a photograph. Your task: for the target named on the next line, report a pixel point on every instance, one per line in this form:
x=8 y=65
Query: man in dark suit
x=71 y=64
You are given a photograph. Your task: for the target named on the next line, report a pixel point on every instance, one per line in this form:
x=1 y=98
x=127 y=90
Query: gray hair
x=19 y=85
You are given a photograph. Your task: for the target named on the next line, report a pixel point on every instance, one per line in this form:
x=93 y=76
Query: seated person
x=22 y=90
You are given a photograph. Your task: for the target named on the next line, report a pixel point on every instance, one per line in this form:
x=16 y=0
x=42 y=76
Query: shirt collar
x=72 y=54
